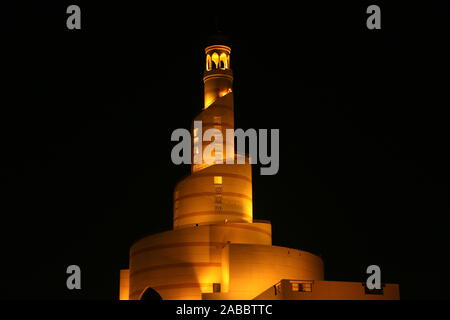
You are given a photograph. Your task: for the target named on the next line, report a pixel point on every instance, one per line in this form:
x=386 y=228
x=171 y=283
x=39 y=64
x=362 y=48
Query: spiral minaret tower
x=215 y=250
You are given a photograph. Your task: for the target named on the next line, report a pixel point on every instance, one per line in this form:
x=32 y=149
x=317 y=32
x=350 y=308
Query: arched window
x=223 y=61
x=150 y=294
x=208 y=62
x=215 y=60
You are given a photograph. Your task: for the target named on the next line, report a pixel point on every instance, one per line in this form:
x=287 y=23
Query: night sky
x=86 y=118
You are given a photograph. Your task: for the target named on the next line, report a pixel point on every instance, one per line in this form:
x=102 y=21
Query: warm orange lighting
x=223 y=61
x=224 y=92
x=215 y=59
x=217 y=120
x=124 y=284
x=215 y=249
x=208 y=62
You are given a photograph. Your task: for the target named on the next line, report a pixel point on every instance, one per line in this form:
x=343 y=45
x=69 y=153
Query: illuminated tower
x=216 y=250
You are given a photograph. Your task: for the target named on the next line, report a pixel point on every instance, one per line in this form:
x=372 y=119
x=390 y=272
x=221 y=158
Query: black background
x=86 y=118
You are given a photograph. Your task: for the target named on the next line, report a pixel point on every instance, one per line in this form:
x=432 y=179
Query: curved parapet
x=186 y=262
x=254 y=268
